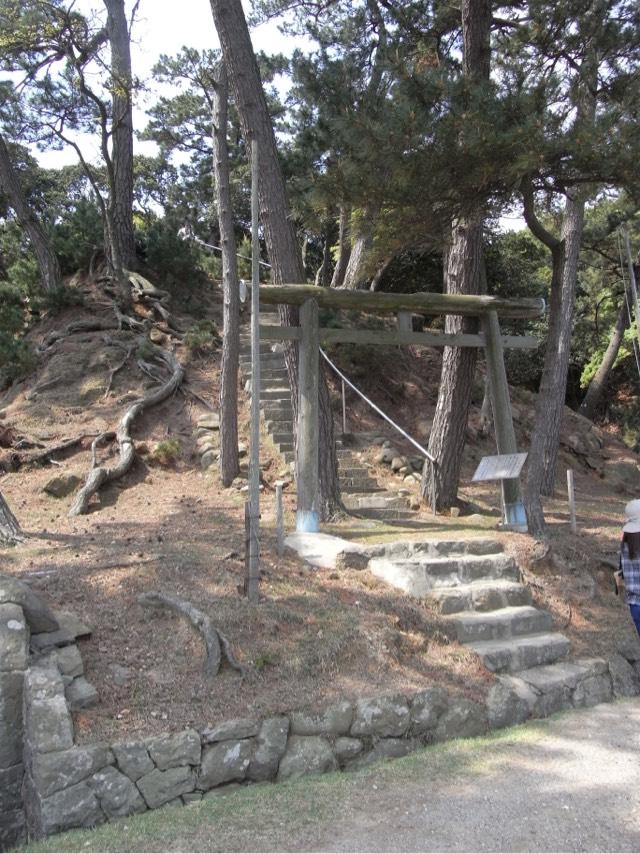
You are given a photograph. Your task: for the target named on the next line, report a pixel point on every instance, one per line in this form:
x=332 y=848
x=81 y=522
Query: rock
x=133 y=759
x=70 y=628
x=510 y=701
x=243 y=450
x=119 y=674
x=386 y=455
x=454 y=512
x=62 y=485
x=415 y=503
x=334 y=721
x=398 y=463
x=116 y=793
x=69 y=661
x=270 y=747
x=390 y=748
x=13 y=831
x=381 y=716
x=10 y=789
x=221 y=791
x=158 y=337
x=463 y=719
x=170 y=751
x=76 y=806
x=81 y=694
x=11 y=687
x=593 y=690
x=426 y=708
x=209 y=422
x=234 y=729
x=225 y=762
x=61 y=769
x=192 y=798
x=352 y=559
x=38 y=616
x=160 y=787
x=47 y=720
x=306 y=755
x=14 y=638
x=417 y=464
x=209 y=459
x=625 y=473
x=346 y=749
x=630 y=650
x=623 y=676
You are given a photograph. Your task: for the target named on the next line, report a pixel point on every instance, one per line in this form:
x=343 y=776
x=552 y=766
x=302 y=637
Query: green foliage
x=174 y=261
x=77 y=235
x=58 y=299
x=16 y=356
x=202 y=338
x=166 y=453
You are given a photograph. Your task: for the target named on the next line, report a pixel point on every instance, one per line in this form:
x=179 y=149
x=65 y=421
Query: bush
x=166 y=453
x=16 y=357
x=175 y=262
x=202 y=338
x=76 y=237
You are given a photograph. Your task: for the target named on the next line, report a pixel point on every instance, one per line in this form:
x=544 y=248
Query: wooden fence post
x=571 y=497
x=501 y=405
x=279 y=519
x=307 y=456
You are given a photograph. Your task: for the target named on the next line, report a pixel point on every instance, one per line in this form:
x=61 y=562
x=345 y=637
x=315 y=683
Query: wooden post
x=515 y=514
x=279 y=519
x=344 y=409
x=254 y=460
x=571 y=497
x=307 y=455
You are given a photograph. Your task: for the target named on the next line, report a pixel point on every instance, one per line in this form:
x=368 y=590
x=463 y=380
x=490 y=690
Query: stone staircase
x=361 y=493
x=479 y=590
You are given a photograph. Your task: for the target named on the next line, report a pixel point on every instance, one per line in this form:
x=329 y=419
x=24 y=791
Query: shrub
x=166 y=453
x=175 y=262
x=202 y=338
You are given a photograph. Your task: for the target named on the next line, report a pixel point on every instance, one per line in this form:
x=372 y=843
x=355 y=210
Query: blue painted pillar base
x=515 y=517
x=307 y=522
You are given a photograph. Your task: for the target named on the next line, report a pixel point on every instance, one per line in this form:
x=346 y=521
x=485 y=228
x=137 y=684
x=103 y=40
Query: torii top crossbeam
x=383 y=303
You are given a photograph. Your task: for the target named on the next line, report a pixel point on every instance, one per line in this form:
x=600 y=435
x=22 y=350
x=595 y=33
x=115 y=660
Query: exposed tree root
x=216 y=643
x=14 y=459
x=74 y=328
x=10 y=531
x=99 y=475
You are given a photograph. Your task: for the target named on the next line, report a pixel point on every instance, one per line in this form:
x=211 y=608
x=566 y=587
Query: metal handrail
x=424 y=452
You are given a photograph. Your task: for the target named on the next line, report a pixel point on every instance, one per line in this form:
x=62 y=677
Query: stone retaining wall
x=65 y=785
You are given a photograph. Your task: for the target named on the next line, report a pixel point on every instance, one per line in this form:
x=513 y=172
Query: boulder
x=11 y=687
x=233 y=729
x=209 y=422
x=426 y=709
x=116 y=793
x=225 y=762
x=59 y=770
x=69 y=661
x=62 y=485
x=398 y=463
x=593 y=690
x=171 y=751
x=209 y=459
x=510 y=701
x=334 y=721
x=463 y=719
x=352 y=559
x=11 y=789
x=38 y=616
x=270 y=747
x=76 y=806
x=81 y=694
x=133 y=759
x=386 y=455
x=160 y=787
x=386 y=748
x=14 y=638
x=623 y=676
x=346 y=749
x=306 y=755
x=48 y=724
x=382 y=716
x=13 y=829
x=70 y=628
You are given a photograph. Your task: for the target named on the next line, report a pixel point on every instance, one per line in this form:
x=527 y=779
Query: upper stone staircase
x=361 y=493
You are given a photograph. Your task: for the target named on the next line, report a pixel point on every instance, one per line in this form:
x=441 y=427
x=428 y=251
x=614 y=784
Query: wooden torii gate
x=310 y=335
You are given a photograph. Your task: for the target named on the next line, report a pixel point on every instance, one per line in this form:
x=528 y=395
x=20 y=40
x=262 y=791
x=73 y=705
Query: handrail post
x=344 y=409
x=307 y=452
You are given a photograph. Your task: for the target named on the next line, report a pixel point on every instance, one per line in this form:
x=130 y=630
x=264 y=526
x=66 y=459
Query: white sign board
x=503 y=467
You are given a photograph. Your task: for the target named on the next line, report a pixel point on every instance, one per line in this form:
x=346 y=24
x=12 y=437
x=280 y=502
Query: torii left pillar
x=307 y=477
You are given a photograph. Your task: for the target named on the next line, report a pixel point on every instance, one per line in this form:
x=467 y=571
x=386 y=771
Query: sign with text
x=503 y=467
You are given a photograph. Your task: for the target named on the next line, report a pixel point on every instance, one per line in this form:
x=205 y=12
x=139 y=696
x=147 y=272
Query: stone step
x=274 y=411
x=354 y=471
x=278 y=393
x=514 y=654
x=277 y=425
x=441 y=548
x=285 y=437
x=375 y=501
x=480 y=596
x=356 y=488
x=509 y=622
x=420 y=576
x=390 y=515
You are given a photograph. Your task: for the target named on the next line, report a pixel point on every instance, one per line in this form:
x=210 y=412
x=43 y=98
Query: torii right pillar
x=514 y=509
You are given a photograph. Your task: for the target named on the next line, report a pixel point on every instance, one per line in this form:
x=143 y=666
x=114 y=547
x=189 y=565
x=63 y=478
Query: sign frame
x=499 y=467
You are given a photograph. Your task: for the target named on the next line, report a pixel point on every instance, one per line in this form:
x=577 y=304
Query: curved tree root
x=10 y=531
x=216 y=644
x=99 y=475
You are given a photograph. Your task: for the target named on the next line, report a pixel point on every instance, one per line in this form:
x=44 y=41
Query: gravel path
x=575 y=789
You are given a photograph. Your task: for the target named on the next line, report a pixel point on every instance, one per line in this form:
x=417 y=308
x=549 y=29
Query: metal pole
x=571 y=497
x=254 y=460
x=279 y=519
x=344 y=409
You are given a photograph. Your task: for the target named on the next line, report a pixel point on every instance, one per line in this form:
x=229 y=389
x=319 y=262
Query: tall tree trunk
x=322 y=275
x=591 y=403
x=10 y=183
x=344 y=246
x=275 y=213
x=545 y=435
x=229 y=462
x=121 y=242
x=361 y=264
x=464 y=275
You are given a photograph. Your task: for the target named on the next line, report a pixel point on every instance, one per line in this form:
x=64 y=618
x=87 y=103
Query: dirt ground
x=316 y=635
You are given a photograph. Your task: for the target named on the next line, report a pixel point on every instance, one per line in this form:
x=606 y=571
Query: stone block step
x=398 y=515
x=509 y=622
x=277 y=411
x=441 y=548
x=374 y=501
x=356 y=488
x=420 y=576
x=277 y=425
x=354 y=471
x=277 y=393
x=282 y=436
x=514 y=654
x=283 y=447
x=480 y=596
